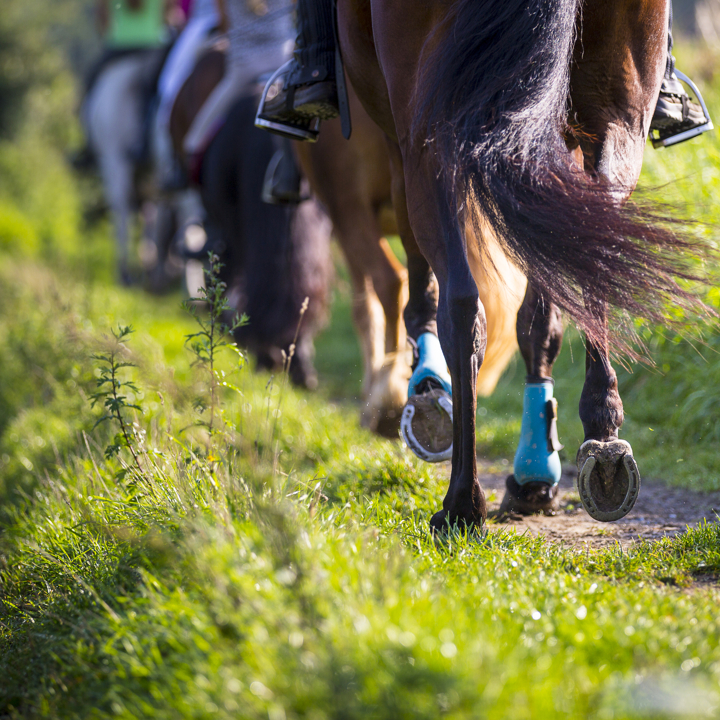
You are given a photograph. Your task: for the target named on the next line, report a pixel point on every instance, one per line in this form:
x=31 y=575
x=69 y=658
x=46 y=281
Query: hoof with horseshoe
x=608 y=479
x=426 y=425
x=529 y=498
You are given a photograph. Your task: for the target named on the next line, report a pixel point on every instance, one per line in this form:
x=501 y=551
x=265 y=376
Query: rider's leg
x=308 y=88
x=213 y=112
x=675 y=113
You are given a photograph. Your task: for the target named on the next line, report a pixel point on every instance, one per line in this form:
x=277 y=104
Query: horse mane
x=492 y=101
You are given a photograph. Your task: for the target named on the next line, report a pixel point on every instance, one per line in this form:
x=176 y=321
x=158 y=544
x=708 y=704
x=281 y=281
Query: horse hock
x=608 y=479
x=426 y=423
x=536 y=471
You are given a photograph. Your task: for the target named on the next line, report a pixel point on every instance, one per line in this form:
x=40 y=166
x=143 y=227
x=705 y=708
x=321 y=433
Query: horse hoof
x=426 y=425
x=608 y=479
x=441 y=523
x=529 y=498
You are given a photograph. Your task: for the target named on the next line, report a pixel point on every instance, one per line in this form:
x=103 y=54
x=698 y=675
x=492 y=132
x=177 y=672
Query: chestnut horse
x=354 y=181
x=527 y=120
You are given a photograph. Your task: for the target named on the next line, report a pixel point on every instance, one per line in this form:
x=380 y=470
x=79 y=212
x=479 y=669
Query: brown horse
x=527 y=120
x=354 y=181
x=275 y=256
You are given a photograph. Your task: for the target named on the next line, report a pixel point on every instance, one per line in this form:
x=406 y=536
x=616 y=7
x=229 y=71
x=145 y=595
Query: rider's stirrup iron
x=295 y=130
x=661 y=139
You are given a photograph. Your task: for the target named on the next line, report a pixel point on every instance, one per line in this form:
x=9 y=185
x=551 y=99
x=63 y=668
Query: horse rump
x=492 y=105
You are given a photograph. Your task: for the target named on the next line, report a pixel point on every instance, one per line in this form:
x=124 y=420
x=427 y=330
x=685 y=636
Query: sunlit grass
x=288 y=571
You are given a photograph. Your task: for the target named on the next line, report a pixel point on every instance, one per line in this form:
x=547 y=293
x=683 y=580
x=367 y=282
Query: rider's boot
x=305 y=88
x=677 y=118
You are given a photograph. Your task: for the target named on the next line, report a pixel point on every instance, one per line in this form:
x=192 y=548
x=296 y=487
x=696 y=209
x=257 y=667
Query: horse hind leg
x=608 y=479
x=533 y=486
x=608 y=476
x=426 y=424
x=624 y=54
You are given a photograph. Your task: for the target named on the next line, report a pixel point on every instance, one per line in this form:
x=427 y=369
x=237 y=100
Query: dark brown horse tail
x=493 y=99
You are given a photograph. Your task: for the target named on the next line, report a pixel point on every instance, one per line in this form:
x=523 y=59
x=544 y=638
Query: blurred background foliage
x=46 y=47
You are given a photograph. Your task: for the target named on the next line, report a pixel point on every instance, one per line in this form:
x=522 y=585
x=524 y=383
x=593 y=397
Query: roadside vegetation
x=223 y=545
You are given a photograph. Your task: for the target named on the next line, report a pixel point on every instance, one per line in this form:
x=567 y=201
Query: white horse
x=114 y=116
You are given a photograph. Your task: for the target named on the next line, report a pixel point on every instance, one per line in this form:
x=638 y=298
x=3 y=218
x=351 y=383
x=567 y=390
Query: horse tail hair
x=493 y=98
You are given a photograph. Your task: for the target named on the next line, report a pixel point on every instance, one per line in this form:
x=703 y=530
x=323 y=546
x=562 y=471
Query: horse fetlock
x=608 y=479
x=463 y=508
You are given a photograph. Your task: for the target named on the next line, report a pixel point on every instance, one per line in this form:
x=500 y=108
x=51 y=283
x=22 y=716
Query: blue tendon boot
x=426 y=423
x=533 y=486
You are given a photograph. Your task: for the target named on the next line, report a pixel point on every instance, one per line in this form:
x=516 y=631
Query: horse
x=115 y=115
x=526 y=121
x=353 y=179
x=276 y=257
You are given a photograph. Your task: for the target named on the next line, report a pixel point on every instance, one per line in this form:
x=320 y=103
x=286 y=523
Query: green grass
x=282 y=568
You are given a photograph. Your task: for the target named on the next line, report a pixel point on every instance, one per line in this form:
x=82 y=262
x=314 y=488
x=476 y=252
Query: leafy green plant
x=111 y=392
x=213 y=336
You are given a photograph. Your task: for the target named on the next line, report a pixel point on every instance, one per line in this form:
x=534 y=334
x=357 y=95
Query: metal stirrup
x=692 y=132
x=294 y=131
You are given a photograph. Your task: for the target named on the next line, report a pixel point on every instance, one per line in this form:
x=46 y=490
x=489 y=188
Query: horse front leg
x=533 y=486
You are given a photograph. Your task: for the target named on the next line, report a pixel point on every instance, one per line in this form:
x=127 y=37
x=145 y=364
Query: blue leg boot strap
x=431 y=365
x=537 y=456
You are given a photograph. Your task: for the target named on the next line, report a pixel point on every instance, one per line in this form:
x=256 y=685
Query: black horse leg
x=463 y=334
x=533 y=485
x=426 y=420
x=608 y=480
x=427 y=218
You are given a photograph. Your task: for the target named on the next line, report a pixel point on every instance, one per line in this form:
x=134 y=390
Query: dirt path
x=660 y=511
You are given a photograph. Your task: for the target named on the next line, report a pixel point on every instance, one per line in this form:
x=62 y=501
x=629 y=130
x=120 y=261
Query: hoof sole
x=608 y=479
x=426 y=425
x=530 y=498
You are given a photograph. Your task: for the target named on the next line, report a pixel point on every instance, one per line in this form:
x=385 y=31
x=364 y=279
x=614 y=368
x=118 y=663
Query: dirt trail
x=660 y=511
